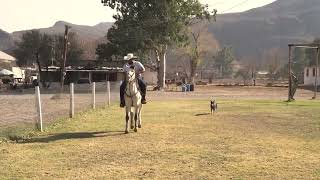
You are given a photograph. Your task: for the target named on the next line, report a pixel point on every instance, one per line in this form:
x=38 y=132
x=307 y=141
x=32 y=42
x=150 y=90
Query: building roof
x=6 y=57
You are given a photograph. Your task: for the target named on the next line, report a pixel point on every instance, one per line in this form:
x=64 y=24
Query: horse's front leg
x=131 y=120
x=139 y=116
x=127 y=121
x=136 y=120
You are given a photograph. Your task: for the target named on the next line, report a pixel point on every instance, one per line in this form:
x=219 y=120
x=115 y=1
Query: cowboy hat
x=130 y=56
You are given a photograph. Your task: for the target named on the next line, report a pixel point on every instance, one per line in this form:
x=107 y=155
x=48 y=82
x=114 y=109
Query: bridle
x=129 y=82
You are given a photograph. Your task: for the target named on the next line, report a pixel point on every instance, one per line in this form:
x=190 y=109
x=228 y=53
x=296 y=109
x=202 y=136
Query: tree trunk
x=158 y=68
x=161 y=59
x=193 y=69
x=40 y=71
x=47 y=77
x=163 y=63
x=63 y=67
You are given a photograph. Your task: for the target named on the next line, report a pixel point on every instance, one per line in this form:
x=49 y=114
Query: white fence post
x=38 y=107
x=71 y=113
x=93 y=95
x=108 y=91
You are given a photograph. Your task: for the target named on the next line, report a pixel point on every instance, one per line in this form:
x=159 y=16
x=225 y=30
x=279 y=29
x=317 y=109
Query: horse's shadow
x=75 y=135
x=202 y=114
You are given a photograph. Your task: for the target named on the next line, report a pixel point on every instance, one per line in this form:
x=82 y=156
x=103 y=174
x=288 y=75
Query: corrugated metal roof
x=6 y=57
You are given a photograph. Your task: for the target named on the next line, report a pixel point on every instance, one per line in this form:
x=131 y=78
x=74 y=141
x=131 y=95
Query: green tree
x=157 y=24
x=43 y=50
x=223 y=61
x=34 y=48
x=105 y=51
x=74 y=50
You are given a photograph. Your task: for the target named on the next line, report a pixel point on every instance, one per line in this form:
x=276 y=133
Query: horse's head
x=131 y=75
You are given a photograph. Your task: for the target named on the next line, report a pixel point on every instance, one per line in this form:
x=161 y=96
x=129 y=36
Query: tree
x=300 y=61
x=44 y=49
x=311 y=54
x=156 y=24
x=105 y=51
x=223 y=61
x=74 y=50
x=248 y=70
x=200 y=44
x=273 y=68
x=273 y=59
x=34 y=48
x=244 y=73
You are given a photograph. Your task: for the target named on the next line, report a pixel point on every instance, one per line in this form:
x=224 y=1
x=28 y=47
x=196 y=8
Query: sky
x=18 y=15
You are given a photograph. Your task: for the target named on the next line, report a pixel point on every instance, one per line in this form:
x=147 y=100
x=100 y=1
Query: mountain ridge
x=276 y=25
x=250 y=33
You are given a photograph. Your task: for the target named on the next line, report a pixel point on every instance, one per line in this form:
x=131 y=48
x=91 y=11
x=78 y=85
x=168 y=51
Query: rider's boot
x=143 y=100
x=122 y=102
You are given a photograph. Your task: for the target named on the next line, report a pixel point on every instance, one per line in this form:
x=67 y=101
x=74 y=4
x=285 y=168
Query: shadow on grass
x=203 y=114
x=75 y=135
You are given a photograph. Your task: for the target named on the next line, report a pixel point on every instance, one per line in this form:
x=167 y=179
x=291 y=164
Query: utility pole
x=65 y=48
x=317 y=74
x=290 y=98
x=53 y=49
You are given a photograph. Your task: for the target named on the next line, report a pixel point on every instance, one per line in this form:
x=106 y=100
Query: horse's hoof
x=135 y=130
x=126 y=132
x=132 y=127
x=139 y=126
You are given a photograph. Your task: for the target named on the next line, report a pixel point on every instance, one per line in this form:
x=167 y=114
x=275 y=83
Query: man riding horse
x=139 y=68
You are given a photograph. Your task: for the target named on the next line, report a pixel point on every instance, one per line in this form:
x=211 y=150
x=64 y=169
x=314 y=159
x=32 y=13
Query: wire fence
x=20 y=110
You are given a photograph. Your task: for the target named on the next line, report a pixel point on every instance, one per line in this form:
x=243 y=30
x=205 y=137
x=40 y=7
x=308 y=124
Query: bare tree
x=201 y=43
x=273 y=62
x=250 y=65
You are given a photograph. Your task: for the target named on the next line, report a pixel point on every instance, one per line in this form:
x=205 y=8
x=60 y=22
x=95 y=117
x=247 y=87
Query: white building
x=18 y=73
x=310 y=75
x=8 y=62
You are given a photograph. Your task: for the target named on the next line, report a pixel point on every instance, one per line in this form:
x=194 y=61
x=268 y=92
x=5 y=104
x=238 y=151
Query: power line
x=235 y=6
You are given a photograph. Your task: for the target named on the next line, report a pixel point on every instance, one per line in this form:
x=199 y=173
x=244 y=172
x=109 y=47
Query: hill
x=251 y=33
x=272 y=26
x=89 y=36
x=6 y=41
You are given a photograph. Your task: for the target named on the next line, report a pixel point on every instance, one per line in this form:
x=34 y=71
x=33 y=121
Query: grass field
x=247 y=139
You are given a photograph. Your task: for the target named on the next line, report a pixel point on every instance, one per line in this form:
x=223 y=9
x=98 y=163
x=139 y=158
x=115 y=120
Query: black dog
x=213 y=106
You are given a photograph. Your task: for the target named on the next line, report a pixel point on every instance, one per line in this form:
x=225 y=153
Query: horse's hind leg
x=139 y=117
x=127 y=122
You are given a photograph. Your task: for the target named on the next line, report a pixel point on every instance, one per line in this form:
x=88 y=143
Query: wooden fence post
x=38 y=108
x=71 y=112
x=93 y=95
x=108 y=91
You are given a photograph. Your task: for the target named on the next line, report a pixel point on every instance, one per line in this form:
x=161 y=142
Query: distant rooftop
x=6 y=57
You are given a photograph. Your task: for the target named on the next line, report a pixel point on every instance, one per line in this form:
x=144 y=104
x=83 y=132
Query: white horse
x=132 y=101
